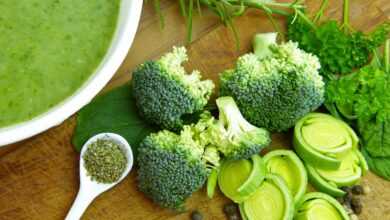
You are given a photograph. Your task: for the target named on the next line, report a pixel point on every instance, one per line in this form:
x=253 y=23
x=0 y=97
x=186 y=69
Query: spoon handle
x=80 y=204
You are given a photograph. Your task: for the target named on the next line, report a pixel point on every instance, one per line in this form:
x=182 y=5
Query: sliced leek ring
x=287 y=165
x=319 y=206
x=272 y=200
x=239 y=179
x=319 y=139
x=352 y=167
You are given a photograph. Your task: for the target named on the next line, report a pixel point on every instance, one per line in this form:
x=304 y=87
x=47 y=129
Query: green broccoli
x=164 y=92
x=276 y=85
x=234 y=136
x=172 y=166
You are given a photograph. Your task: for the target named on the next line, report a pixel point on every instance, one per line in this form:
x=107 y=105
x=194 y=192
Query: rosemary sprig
x=227 y=10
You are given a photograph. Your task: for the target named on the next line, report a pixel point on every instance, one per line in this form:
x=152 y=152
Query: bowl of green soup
x=55 y=56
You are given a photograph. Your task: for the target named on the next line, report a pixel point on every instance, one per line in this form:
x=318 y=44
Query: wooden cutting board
x=39 y=176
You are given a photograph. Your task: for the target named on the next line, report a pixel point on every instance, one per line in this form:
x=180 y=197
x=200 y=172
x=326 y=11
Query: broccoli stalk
x=239 y=138
x=164 y=92
x=261 y=43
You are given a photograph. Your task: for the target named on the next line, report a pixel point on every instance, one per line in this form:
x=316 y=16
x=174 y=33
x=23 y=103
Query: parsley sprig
x=340 y=48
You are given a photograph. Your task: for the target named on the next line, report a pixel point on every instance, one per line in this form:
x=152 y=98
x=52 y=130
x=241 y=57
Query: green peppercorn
x=366 y=189
x=234 y=217
x=230 y=209
x=196 y=215
x=357 y=190
x=340 y=200
x=354 y=217
x=347 y=198
x=346 y=189
x=356 y=205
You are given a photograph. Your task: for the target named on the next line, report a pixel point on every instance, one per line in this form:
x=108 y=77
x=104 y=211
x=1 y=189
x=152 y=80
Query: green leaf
x=376 y=137
x=378 y=165
x=339 y=48
x=114 y=112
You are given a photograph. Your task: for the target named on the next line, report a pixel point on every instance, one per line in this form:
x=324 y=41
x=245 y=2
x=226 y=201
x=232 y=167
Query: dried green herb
x=104 y=161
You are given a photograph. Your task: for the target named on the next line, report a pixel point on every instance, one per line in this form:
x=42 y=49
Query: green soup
x=48 y=48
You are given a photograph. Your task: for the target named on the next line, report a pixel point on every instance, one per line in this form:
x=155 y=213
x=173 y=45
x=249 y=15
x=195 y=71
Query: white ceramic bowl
x=129 y=16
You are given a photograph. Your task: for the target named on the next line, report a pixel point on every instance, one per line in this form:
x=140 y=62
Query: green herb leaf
x=378 y=165
x=376 y=137
x=114 y=112
x=362 y=99
x=339 y=49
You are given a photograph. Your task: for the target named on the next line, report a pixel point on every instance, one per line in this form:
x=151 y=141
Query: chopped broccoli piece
x=172 y=166
x=276 y=85
x=238 y=138
x=164 y=92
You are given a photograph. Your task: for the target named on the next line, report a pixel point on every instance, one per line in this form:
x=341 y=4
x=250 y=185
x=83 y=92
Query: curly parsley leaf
x=339 y=49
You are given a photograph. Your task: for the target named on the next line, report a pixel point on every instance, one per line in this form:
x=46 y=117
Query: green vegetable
x=378 y=165
x=362 y=99
x=173 y=166
x=104 y=161
x=339 y=49
x=165 y=93
x=239 y=179
x=319 y=206
x=287 y=165
x=212 y=182
x=275 y=86
x=233 y=135
x=272 y=200
x=319 y=139
x=114 y=112
x=329 y=148
x=322 y=185
x=351 y=169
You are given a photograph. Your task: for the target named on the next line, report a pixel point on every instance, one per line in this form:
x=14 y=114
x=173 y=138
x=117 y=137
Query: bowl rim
x=128 y=20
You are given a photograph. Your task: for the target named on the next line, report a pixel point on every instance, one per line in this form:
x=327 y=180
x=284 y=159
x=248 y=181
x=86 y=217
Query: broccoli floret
x=164 y=92
x=276 y=85
x=238 y=139
x=172 y=166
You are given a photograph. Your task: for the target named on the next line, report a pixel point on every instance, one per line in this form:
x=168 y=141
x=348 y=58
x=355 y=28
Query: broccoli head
x=172 y=166
x=276 y=85
x=164 y=92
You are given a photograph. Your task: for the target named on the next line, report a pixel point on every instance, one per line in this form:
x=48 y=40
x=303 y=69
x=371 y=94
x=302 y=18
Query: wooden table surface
x=39 y=176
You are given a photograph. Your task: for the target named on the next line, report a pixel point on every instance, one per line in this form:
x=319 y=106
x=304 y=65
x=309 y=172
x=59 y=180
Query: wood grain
x=39 y=176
